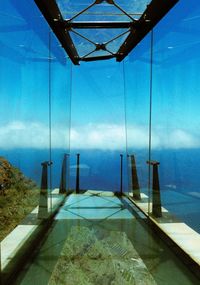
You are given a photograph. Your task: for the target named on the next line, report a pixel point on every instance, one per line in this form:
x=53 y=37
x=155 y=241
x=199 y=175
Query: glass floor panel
x=101 y=239
x=70 y=8
x=97 y=12
x=133 y=7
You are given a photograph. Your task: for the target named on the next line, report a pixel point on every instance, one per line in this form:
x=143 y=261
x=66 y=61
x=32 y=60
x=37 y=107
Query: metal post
x=121 y=174
x=156 y=199
x=63 y=188
x=43 y=203
x=77 y=173
x=135 y=183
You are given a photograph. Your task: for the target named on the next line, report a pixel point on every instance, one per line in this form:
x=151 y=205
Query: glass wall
x=34 y=124
x=59 y=118
x=175 y=112
x=145 y=109
x=137 y=88
x=24 y=109
x=97 y=127
x=162 y=87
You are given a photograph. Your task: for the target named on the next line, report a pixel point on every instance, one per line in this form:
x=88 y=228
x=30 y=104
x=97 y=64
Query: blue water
x=178 y=170
x=98 y=169
x=179 y=174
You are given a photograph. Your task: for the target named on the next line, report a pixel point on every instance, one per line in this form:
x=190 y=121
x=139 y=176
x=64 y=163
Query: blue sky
x=98 y=106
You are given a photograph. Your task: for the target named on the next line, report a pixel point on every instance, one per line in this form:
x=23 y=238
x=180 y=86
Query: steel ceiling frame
x=138 y=29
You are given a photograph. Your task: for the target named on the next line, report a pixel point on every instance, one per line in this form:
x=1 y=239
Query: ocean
x=179 y=174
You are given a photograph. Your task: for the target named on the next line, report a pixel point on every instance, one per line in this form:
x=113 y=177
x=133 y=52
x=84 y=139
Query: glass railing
x=35 y=116
x=142 y=113
x=96 y=170
x=162 y=121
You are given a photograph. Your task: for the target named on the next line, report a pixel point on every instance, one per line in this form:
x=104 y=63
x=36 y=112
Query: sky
x=109 y=100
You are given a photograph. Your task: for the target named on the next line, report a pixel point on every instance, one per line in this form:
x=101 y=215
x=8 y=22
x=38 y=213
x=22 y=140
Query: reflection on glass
x=137 y=76
x=48 y=137
x=28 y=119
x=83 y=45
x=24 y=110
x=97 y=126
x=60 y=109
x=106 y=41
x=89 y=11
x=98 y=239
x=175 y=121
x=134 y=7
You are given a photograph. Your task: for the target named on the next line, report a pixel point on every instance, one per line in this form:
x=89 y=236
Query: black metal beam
x=99 y=25
x=94 y=58
x=54 y=18
x=155 y=11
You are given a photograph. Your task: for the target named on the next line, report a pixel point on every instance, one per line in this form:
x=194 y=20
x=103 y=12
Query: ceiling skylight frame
x=136 y=29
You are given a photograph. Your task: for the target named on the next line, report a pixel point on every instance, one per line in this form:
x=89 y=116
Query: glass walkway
x=99 y=238
x=99 y=142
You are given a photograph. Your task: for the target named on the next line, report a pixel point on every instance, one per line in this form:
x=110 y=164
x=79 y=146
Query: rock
x=112 y=260
x=12 y=178
x=78 y=242
x=69 y=274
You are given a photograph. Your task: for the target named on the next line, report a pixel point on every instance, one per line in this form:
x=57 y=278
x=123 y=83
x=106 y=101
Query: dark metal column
x=135 y=183
x=43 y=203
x=63 y=180
x=156 y=199
x=121 y=174
x=78 y=173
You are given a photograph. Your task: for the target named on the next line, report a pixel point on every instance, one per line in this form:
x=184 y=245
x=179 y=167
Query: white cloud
x=99 y=136
x=18 y=134
x=174 y=138
x=23 y=135
x=137 y=136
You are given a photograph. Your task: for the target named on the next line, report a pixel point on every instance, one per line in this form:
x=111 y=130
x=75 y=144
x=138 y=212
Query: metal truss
x=136 y=30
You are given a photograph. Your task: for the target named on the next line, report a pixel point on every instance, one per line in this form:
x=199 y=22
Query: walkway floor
x=94 y=205
x=184 y=236
x=10 y=245
x=98 y=238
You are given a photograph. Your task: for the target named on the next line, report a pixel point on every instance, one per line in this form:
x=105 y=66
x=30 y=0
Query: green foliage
x=18 y=197
x=12 y=178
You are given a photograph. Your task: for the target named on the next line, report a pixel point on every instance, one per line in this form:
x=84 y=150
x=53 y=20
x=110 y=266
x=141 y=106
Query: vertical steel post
x=78 y=173
x=156 y=199
x=135 y=183
x=43 y=203
x=63 y=180
x=121 y=174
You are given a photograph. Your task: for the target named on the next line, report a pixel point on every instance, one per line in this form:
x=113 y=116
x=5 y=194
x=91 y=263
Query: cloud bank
x=18 y=134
